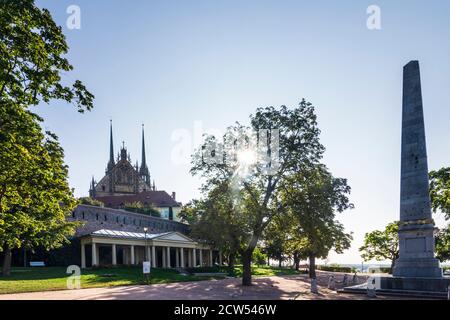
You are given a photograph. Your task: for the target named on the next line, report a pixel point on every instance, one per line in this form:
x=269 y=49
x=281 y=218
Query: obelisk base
x=416 y=259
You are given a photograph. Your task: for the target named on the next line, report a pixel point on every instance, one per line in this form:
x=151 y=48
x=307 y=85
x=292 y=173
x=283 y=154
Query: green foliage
x=32 y=49
x=312 y=197
x=381 y=244
x=336 y=268
x=35 y=197
x=90 y=201
x=440 y=191
x=258 y=257
x=138 y=207
x=443 y=244
x=252 y=186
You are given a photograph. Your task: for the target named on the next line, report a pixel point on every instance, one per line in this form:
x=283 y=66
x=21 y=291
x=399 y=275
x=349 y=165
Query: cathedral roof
x=156 y=198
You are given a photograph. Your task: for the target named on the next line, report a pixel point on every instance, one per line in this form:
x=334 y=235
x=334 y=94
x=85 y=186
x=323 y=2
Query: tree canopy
x=253 y=161
x=35 y=197
x=381 y=244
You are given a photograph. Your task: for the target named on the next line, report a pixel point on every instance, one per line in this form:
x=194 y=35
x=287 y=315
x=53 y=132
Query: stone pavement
x=264 y=288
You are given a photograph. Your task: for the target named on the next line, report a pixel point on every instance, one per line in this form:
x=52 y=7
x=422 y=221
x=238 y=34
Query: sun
x=246 y=157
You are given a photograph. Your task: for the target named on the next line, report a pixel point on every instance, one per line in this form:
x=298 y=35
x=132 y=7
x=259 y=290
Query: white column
x=83 y=256
x=220 y=257
x=194 y=259
x=148 y=253
x=132 y=254
x=177 y=258
x=114 y=255
x=182 y=257
x=168 y=258
x=210 y=258
x=94 y=254
x=153 y=257
x=201 y=257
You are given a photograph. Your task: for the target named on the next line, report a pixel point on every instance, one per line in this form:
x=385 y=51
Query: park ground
x=55 y=278
x=281 y=287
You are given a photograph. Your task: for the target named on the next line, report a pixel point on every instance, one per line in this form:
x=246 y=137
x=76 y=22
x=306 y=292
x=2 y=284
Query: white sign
x=146 y=267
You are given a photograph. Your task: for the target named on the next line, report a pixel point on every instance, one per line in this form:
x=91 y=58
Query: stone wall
x=97 y=218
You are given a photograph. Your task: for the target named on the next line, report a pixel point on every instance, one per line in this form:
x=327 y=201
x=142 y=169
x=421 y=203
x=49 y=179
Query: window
x=96 y=216
x=106 y=218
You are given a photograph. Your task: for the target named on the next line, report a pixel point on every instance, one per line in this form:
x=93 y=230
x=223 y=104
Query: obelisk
x=416 y=239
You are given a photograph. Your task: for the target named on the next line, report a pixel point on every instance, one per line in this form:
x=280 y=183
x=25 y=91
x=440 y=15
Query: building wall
x=97 y=218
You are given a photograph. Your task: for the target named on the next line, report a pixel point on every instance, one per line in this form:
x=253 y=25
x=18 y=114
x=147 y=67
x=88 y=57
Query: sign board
x=146 y=267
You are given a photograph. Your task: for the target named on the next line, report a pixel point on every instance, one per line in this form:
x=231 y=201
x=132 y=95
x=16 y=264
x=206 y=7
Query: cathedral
x=121 y=177
x=124 y=183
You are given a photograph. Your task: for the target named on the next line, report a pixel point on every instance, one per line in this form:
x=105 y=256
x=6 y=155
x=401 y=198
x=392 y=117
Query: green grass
x=55 y=278
x=256 y=270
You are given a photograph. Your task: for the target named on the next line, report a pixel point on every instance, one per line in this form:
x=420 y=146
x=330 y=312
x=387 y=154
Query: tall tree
x=254 y=160
x=381 y=244
x=35 y=198
x=313 y=197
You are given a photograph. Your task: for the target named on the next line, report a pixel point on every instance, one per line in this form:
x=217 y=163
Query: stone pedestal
x=439 y=284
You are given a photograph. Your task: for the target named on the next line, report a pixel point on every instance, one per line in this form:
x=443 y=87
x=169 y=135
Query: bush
x=90 y=202
x=336 y=268
x=138 y=207
x=258 y=257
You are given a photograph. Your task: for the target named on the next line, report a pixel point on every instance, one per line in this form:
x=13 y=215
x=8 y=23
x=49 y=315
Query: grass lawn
x=256 y=271
x=55 y=278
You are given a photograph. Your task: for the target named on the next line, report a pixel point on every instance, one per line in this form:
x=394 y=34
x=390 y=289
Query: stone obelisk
x=416 y=258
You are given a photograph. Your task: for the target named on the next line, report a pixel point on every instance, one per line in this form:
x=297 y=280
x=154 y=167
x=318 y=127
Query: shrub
x=336 y=268
x=258 y=257
x=90 y=201
x=138 y=207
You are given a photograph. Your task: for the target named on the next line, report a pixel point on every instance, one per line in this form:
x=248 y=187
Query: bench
x=37 y=264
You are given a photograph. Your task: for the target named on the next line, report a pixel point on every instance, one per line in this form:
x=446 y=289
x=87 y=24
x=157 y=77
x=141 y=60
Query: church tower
x=143 y=171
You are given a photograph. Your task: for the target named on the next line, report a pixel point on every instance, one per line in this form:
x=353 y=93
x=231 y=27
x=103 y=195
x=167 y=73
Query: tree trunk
x=6 y=271
x=247 y=267
x=392 y=266
x=279 y=262
x=296 y=261
x=231 y=260
x=312 y=267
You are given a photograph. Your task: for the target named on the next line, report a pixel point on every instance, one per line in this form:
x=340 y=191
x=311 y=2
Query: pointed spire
x=92 y=188
x=143 y=162
x=143 y=171
x=111 y=147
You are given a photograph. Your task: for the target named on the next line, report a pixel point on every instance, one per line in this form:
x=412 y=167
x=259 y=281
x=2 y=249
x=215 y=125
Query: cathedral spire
x=143 y=171
x=111 y=147
x=143 y=162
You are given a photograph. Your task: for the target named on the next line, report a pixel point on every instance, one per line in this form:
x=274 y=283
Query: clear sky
x=181 y=65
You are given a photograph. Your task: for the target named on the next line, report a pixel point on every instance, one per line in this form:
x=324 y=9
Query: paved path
x=277 y=287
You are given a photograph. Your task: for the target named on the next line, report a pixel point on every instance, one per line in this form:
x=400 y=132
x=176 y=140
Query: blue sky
x=172 y=64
